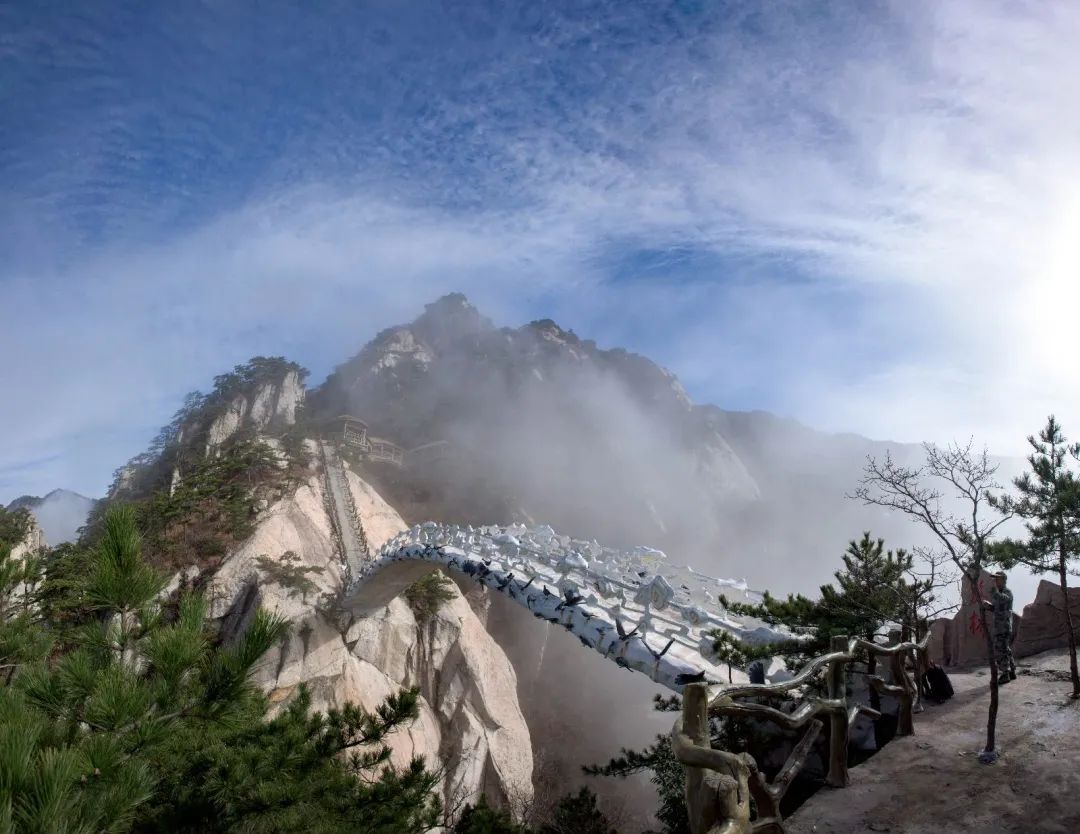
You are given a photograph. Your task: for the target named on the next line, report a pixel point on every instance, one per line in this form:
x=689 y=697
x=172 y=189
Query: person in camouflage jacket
x=1001 y=603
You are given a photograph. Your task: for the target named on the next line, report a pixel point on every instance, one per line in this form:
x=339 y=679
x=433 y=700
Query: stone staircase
x=352 y=542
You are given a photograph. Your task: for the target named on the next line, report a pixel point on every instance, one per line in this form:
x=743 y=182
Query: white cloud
x=915 y=183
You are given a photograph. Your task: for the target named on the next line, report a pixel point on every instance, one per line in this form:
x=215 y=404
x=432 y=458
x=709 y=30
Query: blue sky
x=862 y=215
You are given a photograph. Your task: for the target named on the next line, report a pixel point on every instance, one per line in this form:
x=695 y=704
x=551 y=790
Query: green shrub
x=287 y=572
x=13 y=526
x=427 y=595
x=483 y=819
x=578 y=814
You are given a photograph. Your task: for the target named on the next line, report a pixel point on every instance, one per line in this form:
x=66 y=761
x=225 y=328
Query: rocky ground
x=933 y=783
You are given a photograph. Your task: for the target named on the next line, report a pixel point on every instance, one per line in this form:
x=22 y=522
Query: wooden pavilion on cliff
x=353 y=432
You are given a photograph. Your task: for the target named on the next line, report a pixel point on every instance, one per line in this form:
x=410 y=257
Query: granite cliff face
x=289 y=559
x=271 y=405
x=470 y=723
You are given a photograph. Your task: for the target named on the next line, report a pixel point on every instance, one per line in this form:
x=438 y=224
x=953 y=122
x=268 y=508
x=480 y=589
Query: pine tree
x=22 y=638
x=665 y=772
x=144 y=722
x=578 y=814
x=428 y=594
x=872 y=588
x=728 y=650
x=481 y=818
x=1049 y=503
x=298 y=772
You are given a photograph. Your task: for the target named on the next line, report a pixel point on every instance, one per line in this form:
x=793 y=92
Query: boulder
x=1042 y=625
x=960 y=641
x=940 y=645
x=966 y=643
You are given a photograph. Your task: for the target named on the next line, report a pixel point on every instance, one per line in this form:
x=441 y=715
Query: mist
x=59 y=514
x=546 y=427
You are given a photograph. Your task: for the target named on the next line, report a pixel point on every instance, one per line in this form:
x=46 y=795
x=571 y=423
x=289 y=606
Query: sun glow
x=1051 y=300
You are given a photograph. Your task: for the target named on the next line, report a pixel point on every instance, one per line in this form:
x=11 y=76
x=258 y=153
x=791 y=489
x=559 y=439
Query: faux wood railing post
x=905 y=722
x=717 y=789
x=922 y=666
x=838 y=718
x=720 y=784
x=905 y=696
x=700 y=800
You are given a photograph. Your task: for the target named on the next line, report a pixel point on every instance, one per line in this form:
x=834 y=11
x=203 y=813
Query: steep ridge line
x=633 y=607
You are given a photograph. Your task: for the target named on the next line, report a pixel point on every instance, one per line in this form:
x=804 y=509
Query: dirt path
x=933 y=783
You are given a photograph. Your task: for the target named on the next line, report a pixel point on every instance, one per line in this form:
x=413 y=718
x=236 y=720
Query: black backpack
x=936 y=684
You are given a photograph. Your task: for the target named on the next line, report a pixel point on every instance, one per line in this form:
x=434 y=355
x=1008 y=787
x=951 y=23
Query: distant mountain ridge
x=59 y=514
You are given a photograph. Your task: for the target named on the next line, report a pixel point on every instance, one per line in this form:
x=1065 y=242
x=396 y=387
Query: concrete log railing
x=719 y=784
x=633 y=607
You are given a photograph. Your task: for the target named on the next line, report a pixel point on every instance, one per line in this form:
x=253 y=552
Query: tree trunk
x=837 y=776
x=905 y=724
x=991 y=717
x=1063 y=576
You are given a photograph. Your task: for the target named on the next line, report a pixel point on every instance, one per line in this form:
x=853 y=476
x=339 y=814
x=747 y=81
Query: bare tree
x=931 y=572
x=964 y=536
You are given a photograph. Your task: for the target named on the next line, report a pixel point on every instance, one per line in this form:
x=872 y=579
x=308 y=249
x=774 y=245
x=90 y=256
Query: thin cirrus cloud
x=865 y=217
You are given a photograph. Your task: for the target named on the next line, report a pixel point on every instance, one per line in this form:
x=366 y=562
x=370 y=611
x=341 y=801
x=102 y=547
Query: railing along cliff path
x=720 y=784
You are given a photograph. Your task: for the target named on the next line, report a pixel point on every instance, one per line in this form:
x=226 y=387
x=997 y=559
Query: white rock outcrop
x=402 y=346
x=227 y=423
x=277 y=403
x=32 y=541
x=470 y=725
x=271 y=404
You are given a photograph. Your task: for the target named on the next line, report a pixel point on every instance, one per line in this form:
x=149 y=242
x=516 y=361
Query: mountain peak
x=449 y=319
x=549 y=331
x=60 y=492
x=451 y=302
x=31 y=502
x=60 y=514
